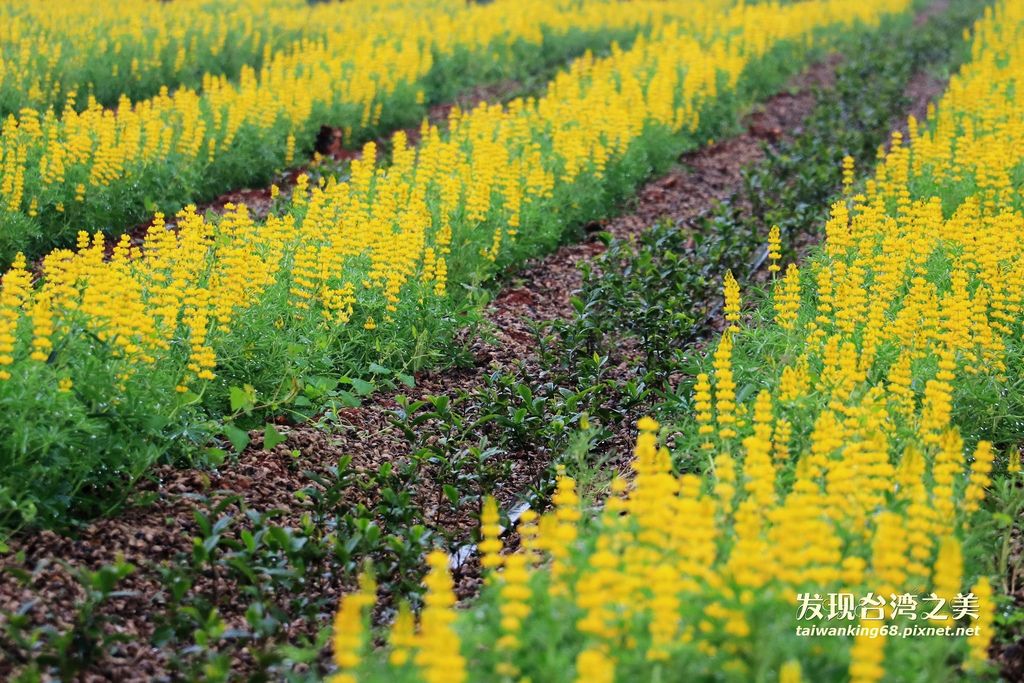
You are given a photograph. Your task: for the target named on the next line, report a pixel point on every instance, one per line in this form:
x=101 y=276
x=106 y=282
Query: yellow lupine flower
x=348 y=635
x=437 y=655
x=490 y=534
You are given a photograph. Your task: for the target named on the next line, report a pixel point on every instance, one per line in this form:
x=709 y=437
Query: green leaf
x=188 y=398
x=452 y=494
x=28 y=510
x=216 y=456
x=362 y=387
x=156 y=422
x=239 y=438
x=405 y=379
x=348 y=399
x=301 y=655
x=378 y=369
x=242 y=398
x=272 y=437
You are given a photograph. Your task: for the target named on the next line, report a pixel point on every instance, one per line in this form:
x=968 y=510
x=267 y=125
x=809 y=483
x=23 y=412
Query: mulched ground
x=267 y=479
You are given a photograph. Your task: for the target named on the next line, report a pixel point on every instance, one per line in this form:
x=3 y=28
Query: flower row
x=362 y=67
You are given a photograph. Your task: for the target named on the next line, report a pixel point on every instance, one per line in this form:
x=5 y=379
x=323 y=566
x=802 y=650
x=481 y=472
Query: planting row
x=848 y=465
x=364 y=68
x=53 y=52
x=107 y=363
x=63 y=51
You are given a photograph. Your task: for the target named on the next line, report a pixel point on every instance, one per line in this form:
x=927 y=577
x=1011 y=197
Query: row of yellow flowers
x=845 y=467
x=357 y=65
x=108 y=48
x=53 y=51
x=357 y=270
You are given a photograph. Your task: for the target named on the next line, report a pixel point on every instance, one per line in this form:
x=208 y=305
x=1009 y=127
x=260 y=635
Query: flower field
x=697 y=357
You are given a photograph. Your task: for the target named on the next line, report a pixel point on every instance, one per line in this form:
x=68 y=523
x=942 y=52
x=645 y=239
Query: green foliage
x=69 y=651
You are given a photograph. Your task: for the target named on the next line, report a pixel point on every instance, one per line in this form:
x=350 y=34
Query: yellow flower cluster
x=104 y=48
x=186 y=141
x=387 y=235
x=348 y=634
x=919 y=299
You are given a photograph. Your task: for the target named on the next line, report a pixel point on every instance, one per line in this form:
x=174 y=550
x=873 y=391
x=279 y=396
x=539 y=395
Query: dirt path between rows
x=268 y=479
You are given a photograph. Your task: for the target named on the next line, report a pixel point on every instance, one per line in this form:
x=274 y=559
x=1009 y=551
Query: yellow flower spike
x=867 y=656
x=787 y=298
x=732 y=300
x=848 y=173
x=528 y=535
x=402 y=637
x=725 y=389
x=562 y=531
x=979 y=643
x=593 y=665
x=980 y=478
x=515 y=607
x=774 y=249
x=947 y=575
x=438 y=657
x=348 y=634
x=758 y=470
x=791 y=672
x=490 y=535
x=889 y=549
x=702 y=406
x=725 y=482
x=781 y=440
x=648 y=424
x=665 y=603
x=289 y=154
